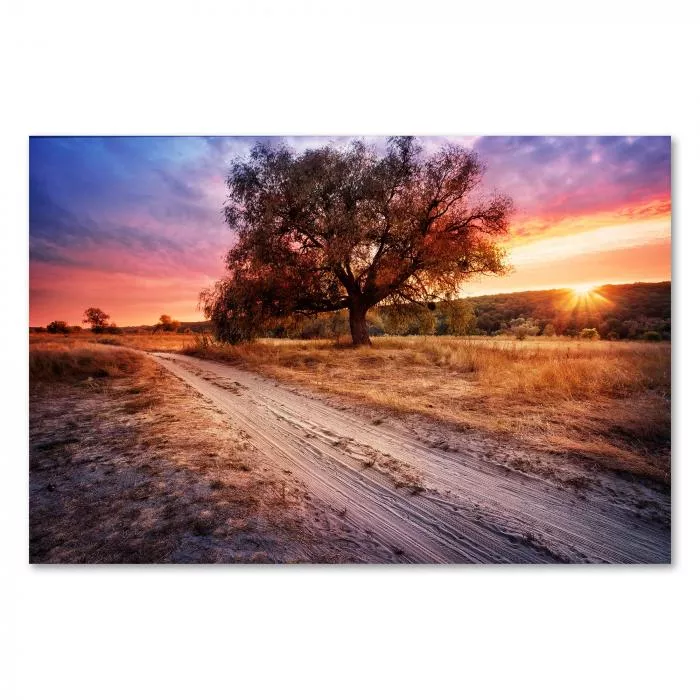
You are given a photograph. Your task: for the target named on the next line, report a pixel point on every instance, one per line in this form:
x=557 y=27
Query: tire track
x=460 y=508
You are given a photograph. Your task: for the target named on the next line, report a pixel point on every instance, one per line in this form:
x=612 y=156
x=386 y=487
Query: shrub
x=653 y=336
x=58 y=327
x=589 y=334
x=523 y=327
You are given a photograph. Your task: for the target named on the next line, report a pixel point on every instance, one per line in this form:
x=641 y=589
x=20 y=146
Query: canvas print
x=350 y=349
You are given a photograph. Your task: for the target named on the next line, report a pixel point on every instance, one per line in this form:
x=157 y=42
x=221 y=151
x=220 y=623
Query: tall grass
x=608 y=402
x=148 y=342
x=75 y=362
x=547 y=371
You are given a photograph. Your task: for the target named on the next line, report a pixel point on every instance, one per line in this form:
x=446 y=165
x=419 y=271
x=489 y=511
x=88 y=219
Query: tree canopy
x=58 y=327
x=167 y=323
x=96 y=318
x=349 y=228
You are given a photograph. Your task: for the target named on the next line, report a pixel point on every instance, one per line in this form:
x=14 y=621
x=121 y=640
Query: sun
x=582 y=290
x=584 y=297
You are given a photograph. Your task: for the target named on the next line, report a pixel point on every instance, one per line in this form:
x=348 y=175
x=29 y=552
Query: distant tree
x=589 y=334
x=166 y=323
x=610 y=326
x=549 y=330
x=408 y=319
x=488 y=322
x=654 y=336
x=627 y=310
x=396 y=320
x=630 y=329
x=96 y=318
x=459 y=318
x=58 y=327
x=113 y=329
x=424 y=323
x=346 y=228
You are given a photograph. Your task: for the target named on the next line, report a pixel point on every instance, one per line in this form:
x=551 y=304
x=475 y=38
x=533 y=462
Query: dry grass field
x=515 y=445
x=148 y=342
x=608 y=403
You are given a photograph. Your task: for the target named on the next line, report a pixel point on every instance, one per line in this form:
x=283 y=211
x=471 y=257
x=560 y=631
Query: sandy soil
x=139 y=468
x=401 y=490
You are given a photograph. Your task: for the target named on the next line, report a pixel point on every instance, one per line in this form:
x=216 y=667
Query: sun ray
x=582 y=290
x=583 y=300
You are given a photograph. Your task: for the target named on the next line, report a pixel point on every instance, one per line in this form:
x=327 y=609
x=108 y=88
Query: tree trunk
x=358 y=325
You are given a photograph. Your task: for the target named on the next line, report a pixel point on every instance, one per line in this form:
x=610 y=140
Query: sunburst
x=581 y=291
x=583 y=298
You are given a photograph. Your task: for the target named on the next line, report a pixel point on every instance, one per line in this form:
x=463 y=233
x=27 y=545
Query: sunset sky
x=134 y=224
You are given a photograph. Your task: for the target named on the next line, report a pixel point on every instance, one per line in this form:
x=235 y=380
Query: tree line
x=640 y=311
x=98 y=321
x=624 y=311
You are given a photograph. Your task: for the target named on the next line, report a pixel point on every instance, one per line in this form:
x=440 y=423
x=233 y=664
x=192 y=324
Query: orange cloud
x=646 y=263
x=526 y=229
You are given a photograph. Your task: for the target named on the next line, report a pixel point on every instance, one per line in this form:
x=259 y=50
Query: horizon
x=590 y=287
x=134 y=226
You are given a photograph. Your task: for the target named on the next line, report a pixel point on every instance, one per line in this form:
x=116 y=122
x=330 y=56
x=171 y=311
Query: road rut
x=400 y=500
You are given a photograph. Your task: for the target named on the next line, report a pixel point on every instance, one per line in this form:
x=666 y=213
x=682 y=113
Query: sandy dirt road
x=392 y=497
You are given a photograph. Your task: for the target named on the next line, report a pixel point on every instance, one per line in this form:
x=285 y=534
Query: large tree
x=348 y=227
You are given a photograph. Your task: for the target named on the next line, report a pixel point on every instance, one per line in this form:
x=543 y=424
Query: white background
x=349 y=68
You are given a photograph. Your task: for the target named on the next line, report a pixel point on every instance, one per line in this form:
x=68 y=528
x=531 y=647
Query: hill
x=620 y=310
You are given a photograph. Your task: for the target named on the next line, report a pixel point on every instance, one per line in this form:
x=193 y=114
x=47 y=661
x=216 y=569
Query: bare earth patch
x=133 y=466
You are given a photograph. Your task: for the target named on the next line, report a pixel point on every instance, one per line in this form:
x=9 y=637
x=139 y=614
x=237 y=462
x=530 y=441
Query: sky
x=134 y=225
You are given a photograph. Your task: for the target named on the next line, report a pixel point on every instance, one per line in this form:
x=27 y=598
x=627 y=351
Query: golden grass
x=157 y=342
x=75 y=361
x=606 y=402
x=148 y=342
